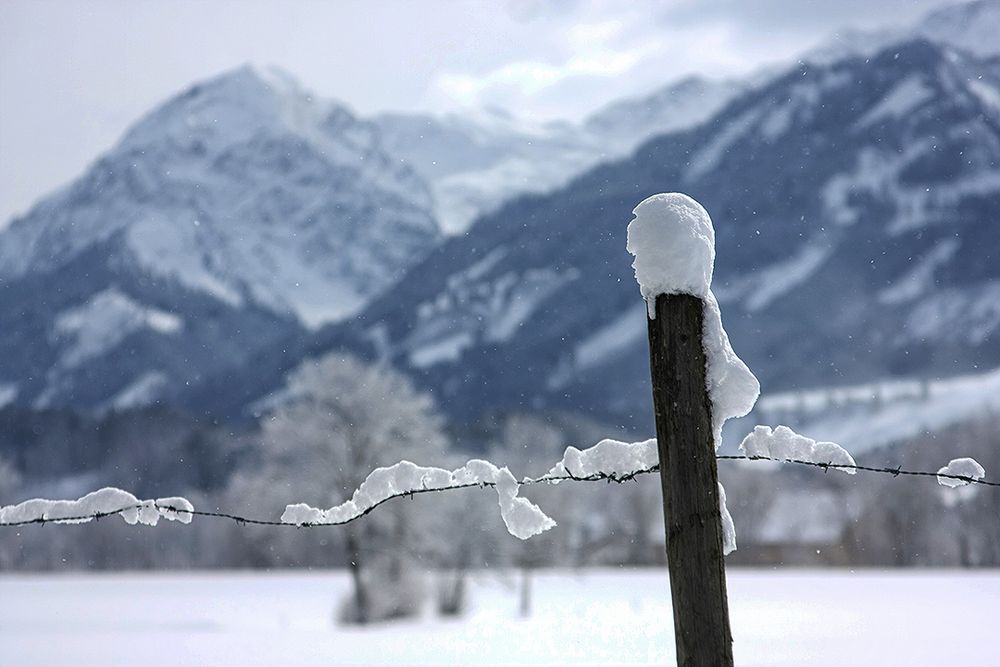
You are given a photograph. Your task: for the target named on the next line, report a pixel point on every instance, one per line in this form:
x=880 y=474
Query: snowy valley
x=500 y=333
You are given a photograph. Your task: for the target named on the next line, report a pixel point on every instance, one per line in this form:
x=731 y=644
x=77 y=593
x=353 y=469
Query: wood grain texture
x=689 y=479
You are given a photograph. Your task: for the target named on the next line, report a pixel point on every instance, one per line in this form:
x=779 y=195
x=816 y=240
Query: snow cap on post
x=673 y=241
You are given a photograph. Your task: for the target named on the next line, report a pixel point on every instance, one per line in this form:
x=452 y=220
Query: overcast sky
x=75 y=75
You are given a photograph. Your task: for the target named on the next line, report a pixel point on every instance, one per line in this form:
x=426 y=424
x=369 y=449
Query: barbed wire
x=895 y=472
x=615 y=478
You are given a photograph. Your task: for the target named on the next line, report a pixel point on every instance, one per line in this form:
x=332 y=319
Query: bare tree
x=340 y=420
x=10 y=481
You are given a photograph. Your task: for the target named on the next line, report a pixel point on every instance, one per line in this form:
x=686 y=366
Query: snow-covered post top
x=673 y=241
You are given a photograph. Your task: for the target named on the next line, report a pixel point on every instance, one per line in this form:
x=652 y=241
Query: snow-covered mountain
x=627 y=123
x=856 y=209
x=194 y=261
x=243 y=187
x=234 y=215
x=477 y=161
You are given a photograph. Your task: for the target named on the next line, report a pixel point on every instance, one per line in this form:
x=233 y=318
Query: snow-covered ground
x=595 y=617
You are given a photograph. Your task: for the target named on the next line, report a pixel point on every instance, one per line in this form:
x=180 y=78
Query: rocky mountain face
x=238 y=214
x=855 y=209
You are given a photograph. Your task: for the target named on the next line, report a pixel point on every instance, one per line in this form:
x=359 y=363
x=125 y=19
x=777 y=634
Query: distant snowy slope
x=627 y=123
x=477 y=161
x=233 y=216
x=865 y=416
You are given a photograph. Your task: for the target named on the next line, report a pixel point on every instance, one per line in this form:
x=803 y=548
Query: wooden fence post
x=690 y=482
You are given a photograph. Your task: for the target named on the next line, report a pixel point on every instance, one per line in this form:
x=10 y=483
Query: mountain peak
x=230 y=107
x=276 y=78
x=251 y=82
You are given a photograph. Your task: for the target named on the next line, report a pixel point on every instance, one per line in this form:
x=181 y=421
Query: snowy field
x=597 y=617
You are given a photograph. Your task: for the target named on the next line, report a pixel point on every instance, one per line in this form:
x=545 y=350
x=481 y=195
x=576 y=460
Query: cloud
x=524 y=11
x=597 y=41
x=530 y=77
x=799 y=17
x=585 y=34
x=567 y=59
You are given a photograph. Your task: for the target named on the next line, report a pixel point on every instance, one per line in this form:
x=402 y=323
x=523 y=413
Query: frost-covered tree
x=340 y=420
x=9 y=480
